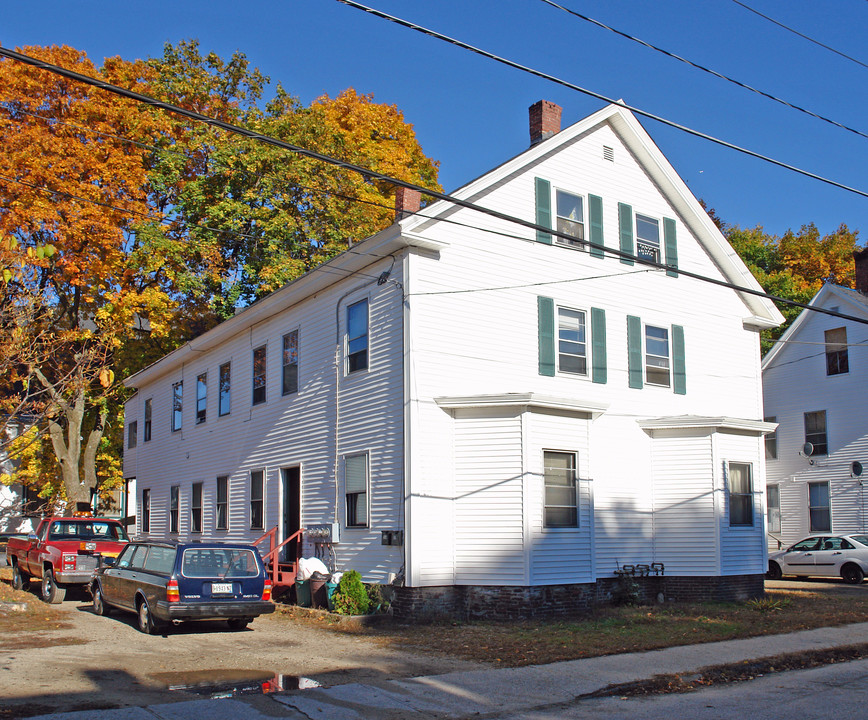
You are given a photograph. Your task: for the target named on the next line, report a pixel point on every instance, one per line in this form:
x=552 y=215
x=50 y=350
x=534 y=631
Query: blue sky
x=470 y=113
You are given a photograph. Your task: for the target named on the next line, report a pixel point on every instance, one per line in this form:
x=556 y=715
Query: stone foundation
x=505 y=602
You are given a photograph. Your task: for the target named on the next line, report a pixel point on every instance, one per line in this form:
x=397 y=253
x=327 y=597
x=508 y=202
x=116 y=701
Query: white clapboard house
x=494 y=418
x=815 y=384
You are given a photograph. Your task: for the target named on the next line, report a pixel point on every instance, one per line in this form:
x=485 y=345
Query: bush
x=351 y=597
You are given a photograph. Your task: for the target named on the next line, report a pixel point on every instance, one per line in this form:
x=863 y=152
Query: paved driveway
x=834 y=586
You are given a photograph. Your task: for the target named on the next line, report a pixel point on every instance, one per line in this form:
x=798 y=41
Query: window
x=221 y=519
x=357 y=336
x=647 y=238
x=815 y=432
x=740 y=494
x=256 y=499
x=572 y=347
x=561 y=506
x=146 y=510
x=177 y=405
x=225 y=378
x=160 y=560
x=656 y=356
x=773 y=503
x=201 y=398
x=147 y=419
x=771 y=440
x=259 y=375
x=836 y=352
x=196 y=508
x=818 y=507
x=290 y=363
x=133 y=434
x=174 y=507
x=570 y=219
x=356 y=481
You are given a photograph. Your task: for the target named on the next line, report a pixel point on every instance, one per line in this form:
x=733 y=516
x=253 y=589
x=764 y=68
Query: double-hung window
x=259 y=375
x=647 y=238
x=133 y=434
x=740 y=481
x=201 y=398
x=174 y=507
x=196 y=508
x=837 y=361
x=572 y=342
x=225 y=384
x=561 y=496
x=257 y=483
x=771 y=440
x=357 y=336
x=570 y=219
x=356 y=482
x=177 y=405
x=656 y=355
x=146 y=510
x=148 y=412
x=819 y=507
x=221 y=507
x=773 y=503
x=815 y=432
x=290 y=363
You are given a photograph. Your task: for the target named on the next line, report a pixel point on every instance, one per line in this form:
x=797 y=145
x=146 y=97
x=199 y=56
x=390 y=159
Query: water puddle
x=231 y=683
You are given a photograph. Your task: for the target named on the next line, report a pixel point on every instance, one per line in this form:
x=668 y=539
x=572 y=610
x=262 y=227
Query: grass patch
x=37 y=625
x=623 y=629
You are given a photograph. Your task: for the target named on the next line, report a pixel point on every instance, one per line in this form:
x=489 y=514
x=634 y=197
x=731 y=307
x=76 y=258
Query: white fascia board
x=714 y=424
x=339 y=269
x=523 y=400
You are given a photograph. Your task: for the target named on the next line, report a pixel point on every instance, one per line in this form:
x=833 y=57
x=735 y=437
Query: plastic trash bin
x=302 y=593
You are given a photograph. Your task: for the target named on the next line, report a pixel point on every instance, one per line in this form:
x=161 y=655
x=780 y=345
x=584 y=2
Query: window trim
x=770 y=441
x=259 y=376
x=827 y=508
x=174 y=509
x=584 y=342
x=348 y=340
x=367 y=494
x=293 y=363
x=640 y=240
x=196 y=515
x=837 y=360
x=260 y=500
x=132 y=434
x=224 y=504
x=773 y=512
x=574 y=455
x=224 y=389
x=816 y=434
x=146 y=510
x=177 y=406
x=149 y=416
x=749 y=494
x=201 y=398
x=577 y=243
x=646 y=354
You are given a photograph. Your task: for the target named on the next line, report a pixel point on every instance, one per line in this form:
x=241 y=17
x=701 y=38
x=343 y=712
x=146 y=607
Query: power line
x=368 y=173
x=705 y=69
x=598 y=96
x=801 y=35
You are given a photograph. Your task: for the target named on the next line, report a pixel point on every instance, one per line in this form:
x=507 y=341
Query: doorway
x=291 y=483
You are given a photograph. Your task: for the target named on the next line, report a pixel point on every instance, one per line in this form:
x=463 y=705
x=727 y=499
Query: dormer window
x=571 y=219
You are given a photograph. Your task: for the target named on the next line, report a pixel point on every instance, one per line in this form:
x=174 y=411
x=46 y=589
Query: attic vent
x=608 y=153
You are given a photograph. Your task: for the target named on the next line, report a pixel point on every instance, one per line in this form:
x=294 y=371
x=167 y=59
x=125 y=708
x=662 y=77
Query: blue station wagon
x=163 y=581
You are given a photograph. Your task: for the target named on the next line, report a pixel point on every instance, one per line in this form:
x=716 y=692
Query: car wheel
x=238 y=623
x=147 y=624
x=852 y=574
x=774 y=572
x=52 y=593
x=99 y=606
x=17 y=578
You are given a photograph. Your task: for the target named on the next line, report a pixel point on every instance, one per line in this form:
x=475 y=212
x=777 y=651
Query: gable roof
x=829 y=292
x=762 y=312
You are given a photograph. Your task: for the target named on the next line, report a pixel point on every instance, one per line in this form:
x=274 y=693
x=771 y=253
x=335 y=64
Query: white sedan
x=844 y=556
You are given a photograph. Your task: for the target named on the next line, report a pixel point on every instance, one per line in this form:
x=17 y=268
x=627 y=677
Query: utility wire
x=368 y=173
x=705 y=69
x=598 y=96
x=801 y=35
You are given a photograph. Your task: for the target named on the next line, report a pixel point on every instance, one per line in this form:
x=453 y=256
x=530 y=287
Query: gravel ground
x=115 y=665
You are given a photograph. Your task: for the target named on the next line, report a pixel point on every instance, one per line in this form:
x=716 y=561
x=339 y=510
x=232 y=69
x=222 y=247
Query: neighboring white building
x=19 y=507
x=815 y=382
x=502 y=417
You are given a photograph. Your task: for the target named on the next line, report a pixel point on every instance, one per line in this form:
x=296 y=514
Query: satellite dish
x=807 y=449
x=856 y=468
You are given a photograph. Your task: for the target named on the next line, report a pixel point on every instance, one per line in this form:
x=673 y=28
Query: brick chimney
x=860 y=257
x=407 y=202
x=545 y=120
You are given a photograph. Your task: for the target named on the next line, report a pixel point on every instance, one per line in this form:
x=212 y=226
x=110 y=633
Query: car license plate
x=221 y=588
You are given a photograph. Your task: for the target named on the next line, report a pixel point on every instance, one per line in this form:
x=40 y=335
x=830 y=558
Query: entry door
x=291 y=480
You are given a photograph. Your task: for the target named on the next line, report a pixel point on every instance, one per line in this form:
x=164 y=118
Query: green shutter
x=625 y=228
x=634 y=351
x=598 y=344
x=546 y=313
x=671 y=247
x=595 y=212
x=679 y=371
x=543 y=209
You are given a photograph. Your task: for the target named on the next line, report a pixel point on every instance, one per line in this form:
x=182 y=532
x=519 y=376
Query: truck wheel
x=147 y=624
x=52 y=593
x=17 y=578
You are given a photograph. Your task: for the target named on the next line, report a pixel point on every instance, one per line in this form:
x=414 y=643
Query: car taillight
x=266 y=590
x=172 y=594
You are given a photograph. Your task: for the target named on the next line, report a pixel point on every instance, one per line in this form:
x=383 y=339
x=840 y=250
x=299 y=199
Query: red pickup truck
x=63 y=551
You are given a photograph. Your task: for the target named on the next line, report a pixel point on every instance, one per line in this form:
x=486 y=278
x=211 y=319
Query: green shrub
x=351 y=597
